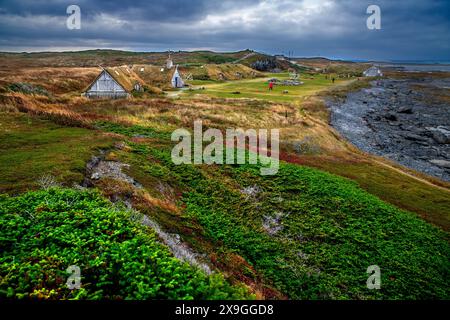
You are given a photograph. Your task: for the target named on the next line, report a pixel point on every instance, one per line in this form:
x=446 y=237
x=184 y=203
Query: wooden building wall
x=106 y=87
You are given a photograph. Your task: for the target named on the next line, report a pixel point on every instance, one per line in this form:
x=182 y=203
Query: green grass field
x=258 y=88
x=31 y=148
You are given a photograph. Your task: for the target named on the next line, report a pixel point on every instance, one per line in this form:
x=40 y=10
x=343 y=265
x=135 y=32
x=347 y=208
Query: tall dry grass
x=54 y=80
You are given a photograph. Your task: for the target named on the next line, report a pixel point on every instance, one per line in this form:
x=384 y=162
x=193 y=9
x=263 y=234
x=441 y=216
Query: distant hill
x=94 y=58
x=332 y=66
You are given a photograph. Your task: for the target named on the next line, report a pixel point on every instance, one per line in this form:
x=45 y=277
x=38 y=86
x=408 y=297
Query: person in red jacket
x=270 y=85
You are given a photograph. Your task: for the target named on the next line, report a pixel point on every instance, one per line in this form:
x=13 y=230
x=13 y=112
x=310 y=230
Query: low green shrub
x=42 y=233
x=328 y=230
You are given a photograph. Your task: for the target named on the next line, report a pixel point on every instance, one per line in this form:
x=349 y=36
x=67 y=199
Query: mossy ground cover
x=429 y=202
x=328 y=230
x=45 y=232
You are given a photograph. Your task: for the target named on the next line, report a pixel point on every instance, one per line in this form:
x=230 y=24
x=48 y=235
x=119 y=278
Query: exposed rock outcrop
x=395 y=120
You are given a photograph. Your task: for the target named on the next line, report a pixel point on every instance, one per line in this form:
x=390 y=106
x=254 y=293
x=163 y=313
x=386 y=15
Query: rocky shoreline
x=407 y=121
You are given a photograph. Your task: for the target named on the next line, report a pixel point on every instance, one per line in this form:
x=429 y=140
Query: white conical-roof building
x=373 y=72
x=177 y=81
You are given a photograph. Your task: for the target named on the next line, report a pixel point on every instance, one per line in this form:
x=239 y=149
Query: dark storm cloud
x=411 y=29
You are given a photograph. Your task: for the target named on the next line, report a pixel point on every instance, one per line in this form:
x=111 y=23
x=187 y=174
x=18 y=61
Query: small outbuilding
x=169 y=63
x=114 y=83
x=373 y=71
x=106 y=86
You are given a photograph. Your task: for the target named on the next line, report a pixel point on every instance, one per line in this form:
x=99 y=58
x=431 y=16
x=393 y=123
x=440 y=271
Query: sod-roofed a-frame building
x=111 y=84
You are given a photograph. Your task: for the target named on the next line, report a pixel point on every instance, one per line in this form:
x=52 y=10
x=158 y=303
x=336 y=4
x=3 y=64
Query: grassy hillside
x=404 y=191
x=73 y=81
x=306 y=136
x=55 y=81
x=300 y=234
x=333 y=66
x=304 y=233
x=32 y=148
x=220 y=72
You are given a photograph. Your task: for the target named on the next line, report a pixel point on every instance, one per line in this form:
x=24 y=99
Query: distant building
x=105 y=86
x=373 y=72
x=169 y=63
x=177 y=81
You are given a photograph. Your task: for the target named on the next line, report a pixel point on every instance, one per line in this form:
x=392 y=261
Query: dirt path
x=411 y=175
x=248 y=55
x=174 y=94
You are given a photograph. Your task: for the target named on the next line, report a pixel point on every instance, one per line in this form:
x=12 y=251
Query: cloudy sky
x=410 y=29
